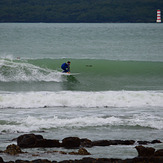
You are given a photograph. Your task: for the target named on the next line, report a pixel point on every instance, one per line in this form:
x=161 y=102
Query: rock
x=86 y=142
x=13 y=150
x=88 y=160
x=73 y=153
x=1 y=160
x=108 y=160
x=145 y=151
x=112 y=142
x=83 y=151
x=125 y=142
x=67 y=161
x=40 y=161
x=33 y=141
x=146 y=159
x=155 y=141
x=148 y=142
x=62 y=152
x=22 y=161
x=47 y=143
x=71 y=142
x=129 y=142
x=39 y=137
x=159 y=152
x=27 y=140
x=101 y=143
x=143 y=142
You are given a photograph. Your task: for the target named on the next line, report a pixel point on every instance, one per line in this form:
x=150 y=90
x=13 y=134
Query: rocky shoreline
x=145 y=154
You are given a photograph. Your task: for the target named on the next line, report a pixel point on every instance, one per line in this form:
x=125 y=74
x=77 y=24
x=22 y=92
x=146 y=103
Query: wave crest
x=17 y=71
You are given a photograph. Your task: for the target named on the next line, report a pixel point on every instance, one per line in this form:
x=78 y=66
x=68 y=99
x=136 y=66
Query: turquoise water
x=115 y=90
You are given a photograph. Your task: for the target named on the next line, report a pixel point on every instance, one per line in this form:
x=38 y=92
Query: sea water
x=115 y=90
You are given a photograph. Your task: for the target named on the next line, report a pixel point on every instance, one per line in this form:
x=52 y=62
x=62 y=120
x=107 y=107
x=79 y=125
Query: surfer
x=66 y=67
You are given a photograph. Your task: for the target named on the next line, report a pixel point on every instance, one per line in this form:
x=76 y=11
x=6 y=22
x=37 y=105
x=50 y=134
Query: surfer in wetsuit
x=66 y=67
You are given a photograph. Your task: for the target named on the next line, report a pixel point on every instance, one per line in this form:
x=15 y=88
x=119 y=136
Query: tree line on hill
x=75 y=11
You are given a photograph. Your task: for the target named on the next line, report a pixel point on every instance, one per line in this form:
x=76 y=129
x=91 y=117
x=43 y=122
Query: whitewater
x=115 y=90
x=81 y=99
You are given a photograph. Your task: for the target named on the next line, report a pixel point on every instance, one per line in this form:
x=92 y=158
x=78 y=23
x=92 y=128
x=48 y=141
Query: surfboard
x=70 y=73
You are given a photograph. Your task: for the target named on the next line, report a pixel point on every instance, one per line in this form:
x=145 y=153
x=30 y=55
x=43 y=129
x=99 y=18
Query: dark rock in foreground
x=148 y=142
x=71 y=142
x=86 y=142
x=1 y=159
x=113 y=142
x=81 y=151
x=145 y=155
x=145 y=151
x=28 y=140
x=47 y=143
x=13 y=150
x=33 y=141
x=159 y=152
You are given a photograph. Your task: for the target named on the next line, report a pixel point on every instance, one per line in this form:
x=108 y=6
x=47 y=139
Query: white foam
x=81 y=99
x=22 y=71
x=147 y=120
x=32 y=123
x=36 y=124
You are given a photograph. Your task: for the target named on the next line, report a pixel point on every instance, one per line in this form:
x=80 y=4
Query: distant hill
x=72 y=11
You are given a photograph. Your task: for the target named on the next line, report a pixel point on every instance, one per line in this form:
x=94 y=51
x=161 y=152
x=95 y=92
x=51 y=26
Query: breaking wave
x=31 y=123
x=81 y=99
x=18 y=71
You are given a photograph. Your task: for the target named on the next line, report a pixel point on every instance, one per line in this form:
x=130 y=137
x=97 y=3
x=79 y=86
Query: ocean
x=115 y=90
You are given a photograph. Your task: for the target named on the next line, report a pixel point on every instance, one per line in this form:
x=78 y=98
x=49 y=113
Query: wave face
x=87 y=75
